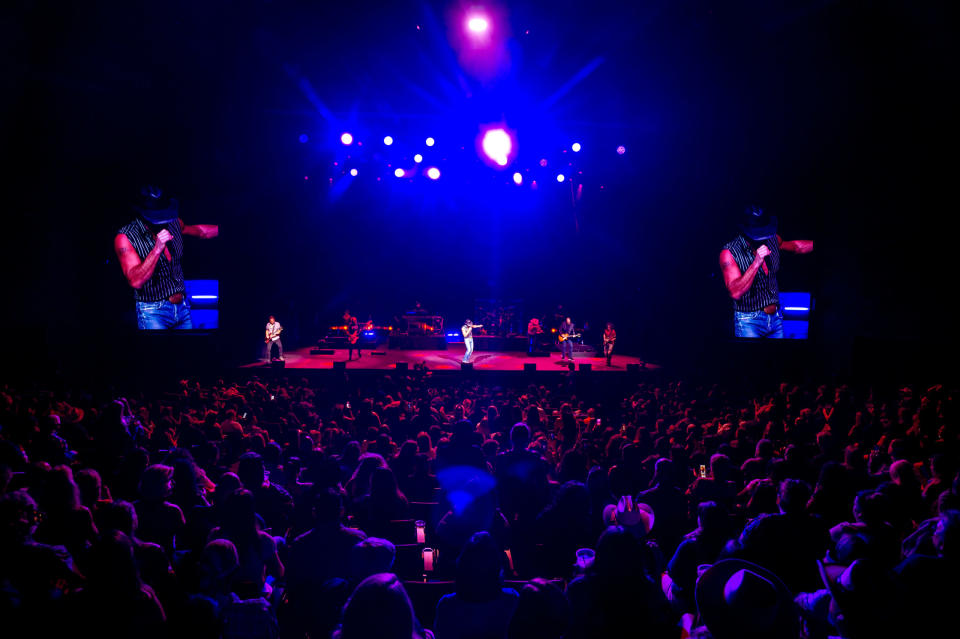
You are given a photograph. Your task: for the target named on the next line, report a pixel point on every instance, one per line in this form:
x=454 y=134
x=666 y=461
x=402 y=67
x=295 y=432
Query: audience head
x=542 y=612
x=379 y=608
x=480 y=569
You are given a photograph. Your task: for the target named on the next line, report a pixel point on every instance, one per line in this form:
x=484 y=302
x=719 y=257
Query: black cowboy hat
x=739 y=599
x=155 y=206
x=757 y=224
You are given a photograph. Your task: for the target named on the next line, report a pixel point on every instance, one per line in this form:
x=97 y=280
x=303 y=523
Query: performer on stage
x=534 y=331
x=467 y=330
x=567 y=332
x=750 y=263
x=149 y=250
x=271 y=337
x=353 y=335
x=609 y=338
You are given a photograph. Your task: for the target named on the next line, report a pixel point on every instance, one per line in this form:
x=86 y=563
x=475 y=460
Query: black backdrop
x=838 y=116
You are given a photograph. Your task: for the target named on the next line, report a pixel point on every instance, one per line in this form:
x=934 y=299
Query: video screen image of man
x=150 y=251
x=750 y=263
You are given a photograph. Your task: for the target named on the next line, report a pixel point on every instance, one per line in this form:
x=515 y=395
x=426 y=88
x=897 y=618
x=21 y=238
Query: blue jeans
x=566 y=349
x=758 y=325
x=153 y=316
x=468 y=342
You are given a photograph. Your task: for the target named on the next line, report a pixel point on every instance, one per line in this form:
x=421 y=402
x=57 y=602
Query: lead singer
x=750 y=263
x=467 y=330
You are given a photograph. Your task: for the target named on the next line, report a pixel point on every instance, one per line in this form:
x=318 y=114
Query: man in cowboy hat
x=737 y=599
x=149 y=250
x=750 y=263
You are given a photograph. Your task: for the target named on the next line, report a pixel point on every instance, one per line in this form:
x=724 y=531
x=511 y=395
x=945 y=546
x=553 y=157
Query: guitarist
x=353 y=335
x=567 y=329
x=271 y=337
x=609 y=338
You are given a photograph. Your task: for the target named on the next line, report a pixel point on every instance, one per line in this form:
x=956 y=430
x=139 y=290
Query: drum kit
x=499 y=318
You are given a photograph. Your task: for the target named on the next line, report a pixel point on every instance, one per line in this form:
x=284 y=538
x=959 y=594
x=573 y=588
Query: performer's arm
x=203 y=231
x=796 y=246
x=739 y=283
x=136 y=271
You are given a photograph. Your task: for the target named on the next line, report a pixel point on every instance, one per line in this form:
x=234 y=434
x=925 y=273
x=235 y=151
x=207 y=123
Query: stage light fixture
x=433 y=173
x=543 y=161
x=347 y=139
x=576 y=147
x=388 y=140
x=517 y=179
x=621 y=150
x=430 y=141
x=478 y=25
x=497 y=146
x=399 y=173
x=561 y=177
x=418 y=158
x=353 y=172
x=304 y=138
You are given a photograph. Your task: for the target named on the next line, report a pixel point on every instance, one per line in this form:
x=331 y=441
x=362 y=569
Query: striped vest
x=167 y=277
x=764 y=290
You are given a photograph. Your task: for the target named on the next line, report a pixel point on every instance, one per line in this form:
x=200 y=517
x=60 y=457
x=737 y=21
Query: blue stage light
x=561 y=177
x=430 y=141
x=399 y=173
x=621 y=150
x=517 y=179
x=433 y=173
x=418 y=158
x=347 y=139
x=303 y=138
x=388 y=140
x=576 y=147
x=353 y=172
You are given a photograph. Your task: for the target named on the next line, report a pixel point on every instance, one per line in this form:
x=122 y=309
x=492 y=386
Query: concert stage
x=438 y=360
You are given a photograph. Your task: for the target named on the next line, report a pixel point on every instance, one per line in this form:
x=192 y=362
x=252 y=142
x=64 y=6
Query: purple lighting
x=621 y=150
x=347 y=139
x=497 y=146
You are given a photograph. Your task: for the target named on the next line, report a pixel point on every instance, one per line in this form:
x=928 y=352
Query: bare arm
x=797 y=246
x=738 y=283
x=203 y=231
x=136 y=271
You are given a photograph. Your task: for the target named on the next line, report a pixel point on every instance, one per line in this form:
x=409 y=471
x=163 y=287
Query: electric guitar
x=353 y=333
x=266 y=340
x=565 y=336
x=609 y=341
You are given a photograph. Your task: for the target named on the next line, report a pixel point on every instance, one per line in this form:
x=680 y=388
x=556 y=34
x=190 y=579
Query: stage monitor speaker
x=586 y=367
x=402 y=366
x=339 y=366
x=321 y=351
x=278 y=364
x=633 y=368
x=530 y=368
x=466 y=366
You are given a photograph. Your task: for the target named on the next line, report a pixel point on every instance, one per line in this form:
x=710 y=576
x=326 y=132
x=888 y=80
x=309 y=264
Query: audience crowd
x=419 y=506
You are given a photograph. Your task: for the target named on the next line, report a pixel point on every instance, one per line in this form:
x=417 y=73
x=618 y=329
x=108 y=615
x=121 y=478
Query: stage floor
x=448 y=360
